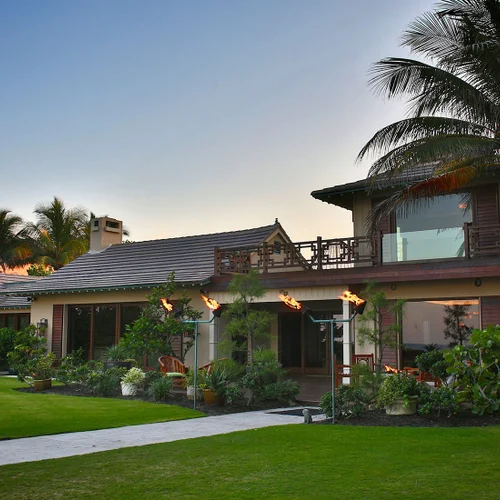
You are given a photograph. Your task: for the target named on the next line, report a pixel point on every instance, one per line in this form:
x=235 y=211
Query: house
x=87 y=303
x=444 y=260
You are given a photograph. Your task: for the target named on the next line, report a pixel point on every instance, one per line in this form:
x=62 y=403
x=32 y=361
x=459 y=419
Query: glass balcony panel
x=423 y=245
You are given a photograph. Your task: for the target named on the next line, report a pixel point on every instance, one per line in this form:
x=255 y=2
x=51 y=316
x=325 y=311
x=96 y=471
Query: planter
x=42 y=385
x=399 y=408
x=119 y=364
x=211 y=397
x=190 y=393
x=128 y=389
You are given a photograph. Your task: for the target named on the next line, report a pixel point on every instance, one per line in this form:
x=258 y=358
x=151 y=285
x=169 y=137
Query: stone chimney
x=105 y=231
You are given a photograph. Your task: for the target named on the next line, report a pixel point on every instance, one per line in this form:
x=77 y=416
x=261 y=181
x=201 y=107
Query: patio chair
x=173 y=368
x=368 y=359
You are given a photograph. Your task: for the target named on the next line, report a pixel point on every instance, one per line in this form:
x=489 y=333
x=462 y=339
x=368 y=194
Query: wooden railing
x=305 y=255
x=339 y=253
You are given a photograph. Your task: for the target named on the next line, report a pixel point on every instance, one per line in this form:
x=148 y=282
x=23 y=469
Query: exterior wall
x=362 y=206
x=43 y=307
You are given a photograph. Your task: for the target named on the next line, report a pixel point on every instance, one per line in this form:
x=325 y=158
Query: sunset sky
x=190 y=117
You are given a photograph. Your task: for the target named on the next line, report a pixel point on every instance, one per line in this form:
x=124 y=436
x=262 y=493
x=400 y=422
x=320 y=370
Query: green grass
x=289 y=462
x=25 y=414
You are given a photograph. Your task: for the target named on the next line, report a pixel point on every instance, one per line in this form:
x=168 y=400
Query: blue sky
x=189 y=117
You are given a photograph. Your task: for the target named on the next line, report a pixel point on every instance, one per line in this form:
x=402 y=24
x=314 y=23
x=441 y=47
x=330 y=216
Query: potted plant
x=41 y=370
x=398 y=394
x=216 y=385
x=117 y=355
x=131 y=380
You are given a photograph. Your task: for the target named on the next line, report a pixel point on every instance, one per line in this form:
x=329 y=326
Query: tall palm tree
x=14 y=250
x=453 y=102
x=59 y=235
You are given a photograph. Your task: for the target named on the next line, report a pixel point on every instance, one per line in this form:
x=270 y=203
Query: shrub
x=284 y=391
x=398 y=386
x=434 y=363
x=134 y=376
x=476 y=370
x=150 y=377
x=439 y=399
x=160 y=389
x=349 y=401
x=69 y=366
x=105 y=383
x=7 y=343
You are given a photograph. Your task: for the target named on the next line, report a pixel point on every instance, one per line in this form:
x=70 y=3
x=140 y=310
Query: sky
x=192 y=117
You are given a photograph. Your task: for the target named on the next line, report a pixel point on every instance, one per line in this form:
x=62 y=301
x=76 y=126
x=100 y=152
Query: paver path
x=80 y=443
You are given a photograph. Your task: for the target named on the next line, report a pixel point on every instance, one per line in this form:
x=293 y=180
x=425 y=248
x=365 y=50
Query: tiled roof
x=7 y=281
x=342 y=195
x=145 y=264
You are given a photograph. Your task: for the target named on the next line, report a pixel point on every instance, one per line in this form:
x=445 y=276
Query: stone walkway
x=32 y=449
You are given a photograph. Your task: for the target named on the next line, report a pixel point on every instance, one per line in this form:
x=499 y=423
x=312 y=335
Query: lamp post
x=359 y=307
x=216 y=309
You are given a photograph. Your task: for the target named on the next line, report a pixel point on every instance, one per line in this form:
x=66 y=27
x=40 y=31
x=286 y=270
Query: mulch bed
x=369 y=418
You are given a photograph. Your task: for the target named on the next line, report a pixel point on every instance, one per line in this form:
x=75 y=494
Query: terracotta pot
x=42 y=385
x=399 y=408
x=211 y=398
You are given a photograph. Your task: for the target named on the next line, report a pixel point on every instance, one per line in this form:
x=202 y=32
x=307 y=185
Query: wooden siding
x=485 y=215
x=57 y=329
x=490 y=311
x=390 y=356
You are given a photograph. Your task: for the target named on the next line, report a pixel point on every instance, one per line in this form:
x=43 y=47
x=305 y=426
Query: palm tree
x=59 y=235
x=453 y=118
x=14 y=250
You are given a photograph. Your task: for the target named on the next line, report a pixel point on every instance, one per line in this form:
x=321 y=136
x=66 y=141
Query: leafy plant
x=135 y=376
x=439 y=399
x=150 y=377
x=160 y=389
x=246 y=324
x=368 y=380
x=7 y=343
x=456 y=329
x=433 y=362
x=398 y=386
x=41 y=367
x=476 y=370
x=284 y=391
x=370 y=327
x=349 y=401
x=118 y=352
x=152 y=333
x=70 y=366
x=104 y=382
x=217 y=380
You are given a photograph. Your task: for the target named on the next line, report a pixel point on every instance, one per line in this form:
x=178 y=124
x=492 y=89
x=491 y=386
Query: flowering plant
x=134 y=376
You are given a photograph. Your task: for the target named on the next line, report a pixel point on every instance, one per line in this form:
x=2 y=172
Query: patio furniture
x=173 y=368
x=427 y=377
x=369 y=359
x=342 y=371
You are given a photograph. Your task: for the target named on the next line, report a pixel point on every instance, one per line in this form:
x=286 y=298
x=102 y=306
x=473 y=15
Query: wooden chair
x=208 y=367
x=427 y=377
x=174 y=368
x=341 y=372
x=369 y=359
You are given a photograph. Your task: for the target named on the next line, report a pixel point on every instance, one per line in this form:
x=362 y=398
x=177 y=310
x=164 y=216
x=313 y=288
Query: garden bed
x=369 y=418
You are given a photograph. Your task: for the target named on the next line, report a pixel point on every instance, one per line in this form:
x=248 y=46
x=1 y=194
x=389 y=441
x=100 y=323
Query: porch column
x=212 y=340
x=346 y=339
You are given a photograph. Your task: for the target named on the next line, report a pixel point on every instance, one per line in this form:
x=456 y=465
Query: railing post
x=265 y=258
x=466 y=241
x=319 y=250
x=380 y=241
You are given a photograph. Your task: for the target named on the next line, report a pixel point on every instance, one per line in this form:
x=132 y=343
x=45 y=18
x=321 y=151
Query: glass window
x=441 y=323
x=432 y=232
x=104 y=331
x=129 y=313
x=79 y=329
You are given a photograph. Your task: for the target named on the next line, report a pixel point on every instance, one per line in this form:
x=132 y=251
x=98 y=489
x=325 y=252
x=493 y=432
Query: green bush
x=476 y=370
x=439 y=399
x=67 y=371
x=150 y=377
x=433 y=362
x=7 y=343
x=349 y=401
x=284 y=391
x=160 y=389
x=105 y=383
x=399 y=386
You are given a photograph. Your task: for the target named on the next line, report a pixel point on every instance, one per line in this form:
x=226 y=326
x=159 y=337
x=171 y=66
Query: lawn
x=292 y=462
x=27 y=414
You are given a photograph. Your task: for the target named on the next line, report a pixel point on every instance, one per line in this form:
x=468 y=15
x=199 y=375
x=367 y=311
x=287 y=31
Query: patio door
x=317 y=346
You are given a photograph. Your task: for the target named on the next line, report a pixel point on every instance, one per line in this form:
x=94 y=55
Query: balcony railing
x=467 y=242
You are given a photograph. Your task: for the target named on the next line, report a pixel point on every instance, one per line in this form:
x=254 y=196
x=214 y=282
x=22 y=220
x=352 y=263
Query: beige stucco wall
x=362 y=206
x=42 y=307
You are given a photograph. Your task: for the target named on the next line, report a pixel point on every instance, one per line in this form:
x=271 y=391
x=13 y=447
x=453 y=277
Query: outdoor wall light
x=42 y=325
x=478 y=282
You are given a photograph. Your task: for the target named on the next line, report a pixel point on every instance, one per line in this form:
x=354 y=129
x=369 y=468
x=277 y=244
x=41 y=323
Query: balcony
x=460 y=243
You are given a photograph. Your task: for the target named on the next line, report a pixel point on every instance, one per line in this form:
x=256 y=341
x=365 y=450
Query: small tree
x=456 y=329
x=370 y=327
x=245 y=322
x=152 y=333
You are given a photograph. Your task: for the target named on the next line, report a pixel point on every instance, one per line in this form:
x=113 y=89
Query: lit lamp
x=359 y=308
x=216 y=309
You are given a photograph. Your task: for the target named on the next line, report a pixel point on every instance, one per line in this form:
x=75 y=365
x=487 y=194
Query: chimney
x=105 y=231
